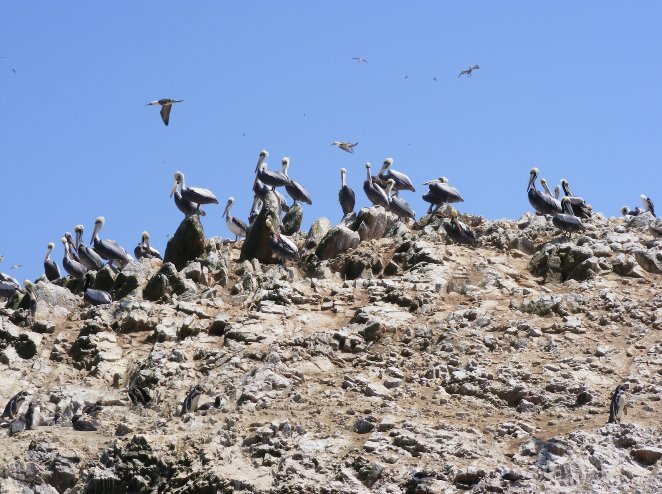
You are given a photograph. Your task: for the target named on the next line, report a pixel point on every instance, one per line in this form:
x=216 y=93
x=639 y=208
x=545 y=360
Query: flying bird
x=345 y=146
x=16 y=266
x=166 y=105
x=469 y=71
x=360 y=59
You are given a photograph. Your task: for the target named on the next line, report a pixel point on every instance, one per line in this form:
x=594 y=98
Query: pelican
x=255 y=209
x=260 y=190
x=567 y=221
x=557 y=192
x=87 y=256
x=166 y=106
x=469 y=71
x=281 y=245
x=542 y=203
x=73 y=251
x=93 y=296
x=548 y=193
x=272 y=178
x=50 y=267
x=8 y=286
x=345 y=146
x=579 y=206
x=626 y=211
x=648 y=204
x=184 y=205
x=295 y=189
x=374 y=192
x=439 y=193
x=264 y=154
x=108 y=249
x=397 y=205
x=144 y=250
x=458 y=231
x=346 y=195
x=71 y=266
x=235 y=225
x=400 y=180
x=32 y=299
x=193 y=194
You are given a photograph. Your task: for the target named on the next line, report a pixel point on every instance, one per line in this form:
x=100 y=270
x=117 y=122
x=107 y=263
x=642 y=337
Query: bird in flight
x=360 y=59
x=16 y=266
x=345 y=146
x=469 y=71
x=166 y=105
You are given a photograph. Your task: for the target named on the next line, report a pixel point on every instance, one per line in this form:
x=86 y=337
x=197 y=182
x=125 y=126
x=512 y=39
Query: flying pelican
x=345 y=146
x=374 y=192
x=346 y=195
x=272 y=178
x=73 y=251
x=626 y=211
x=648 y=204
x=144 y=250
x=71 y=266
x=166 y=106
x=281 y=245
x=542 y=203
x=398 y=205
x=458 y=231
x=50 y=267
x=567 y=221
x=87 y=256
x=108 y=249
x=579 y=206
x=93 y=296
x=295 y=189
x=235 y=225
x=469 y=71
x=193 y=194
x=400 y=180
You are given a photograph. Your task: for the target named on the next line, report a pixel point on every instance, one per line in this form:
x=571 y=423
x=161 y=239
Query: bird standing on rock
x=51 y=268
x=196 y=195
x=190 y=403
x=346 y=195
x=648 y=204
x=13 y=405
x=567 y=221
x=373 y=191
x=618 y=405
x=458 y=231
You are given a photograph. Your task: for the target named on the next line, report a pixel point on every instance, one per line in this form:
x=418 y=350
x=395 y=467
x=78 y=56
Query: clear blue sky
x=574 y=88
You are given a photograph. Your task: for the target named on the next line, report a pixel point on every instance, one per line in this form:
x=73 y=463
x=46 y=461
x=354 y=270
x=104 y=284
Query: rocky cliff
x=405 y=364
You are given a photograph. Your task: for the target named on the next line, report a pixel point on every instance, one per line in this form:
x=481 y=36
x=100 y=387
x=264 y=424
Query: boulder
x=318 y=229
x=338 y=240
x=292 y=220
x=255 y=244
x=187 y=243
x=373 y=222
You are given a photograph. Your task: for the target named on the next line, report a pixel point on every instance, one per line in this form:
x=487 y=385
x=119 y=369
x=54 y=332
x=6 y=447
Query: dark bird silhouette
x=618 y=405
x=82 y=425
x=166 y=106
x=346 y=195
x=468 y=71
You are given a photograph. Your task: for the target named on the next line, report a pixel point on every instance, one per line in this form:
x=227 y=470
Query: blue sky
x=570 y=87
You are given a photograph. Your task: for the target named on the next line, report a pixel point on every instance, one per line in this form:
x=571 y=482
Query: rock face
x=292 y=220
x=402 y=363
x=255 y=244
x=187 y=243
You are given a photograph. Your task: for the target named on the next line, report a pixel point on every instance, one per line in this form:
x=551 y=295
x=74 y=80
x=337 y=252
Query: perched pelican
x=548 y=193
x=94 y=296
x=374 y=192
x=73 y=251
x=166 y=105
x=345 y=146
x=626 y=211
x=398 y=205
x=255 y=209
x=50 y=266
x=281 y=245
x=346 y=195
x=108 y=249
x=400 y=180
x=8 y=286
x=264 y=154
x=235 y=225
x=458 y=231
x=143 y=249
x=193 y=194
x=542 y=203
x=272 y=178
x=557 y=191
x=260 y=190
x=184 y=205
x=87 y=256
x=439 y=193
x=295 y=189
x=32 y=299
x=567 y=221
x=71 y=266
x=579 y=206
x=469 y=71
x=648 y=204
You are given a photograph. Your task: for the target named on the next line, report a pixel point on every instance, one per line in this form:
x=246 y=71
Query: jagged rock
x=105 y=279
x=317 y=231
x=650 y=261
x=338 y=240
x=187 y=243
x=133 y=276
x=27 y=345
x=255 y=245
x=292 y=220
x=371 y=223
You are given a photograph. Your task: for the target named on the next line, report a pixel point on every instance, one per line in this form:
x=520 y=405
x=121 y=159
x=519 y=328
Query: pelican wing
x=165 y=113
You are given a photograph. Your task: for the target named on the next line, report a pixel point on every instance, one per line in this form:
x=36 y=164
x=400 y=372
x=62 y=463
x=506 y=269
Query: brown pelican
x=648 y=204
x=346 y=195
x=235 y=225
x=255 y=209
x=458 y=231
x=86 y=256
x=397 y=205
x=401 y=181
x=295 y=189
x=281 y=245
x=144 y=250
x=108 y=249
x=32 y=299
x=557 y=191
x=440 y=192
x=543 y=182
x=345 y=146
x=50 y=266
x=72 y=247
x=469 y=71
x=71 y=266
x=260 y=190
x=94 y=296
x=184 y=205
x=579 y=206
x=272 y=178
x=567 y=221
x=626 y=211
x=374 y=192
x=166 y=105
x=542 y=203
x=8 y=286
x=194 y=194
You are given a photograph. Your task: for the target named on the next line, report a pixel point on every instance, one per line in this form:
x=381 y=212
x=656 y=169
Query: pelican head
x=645 y=200
x=64 y=241
x=643 y=197
x=389 y=186
x=566 y=187
x=566 y=205
x=145 y=236
x=179 y=179
x=78 y=228
x=100 y=221
x=557 y=191
x=285 y=163
x=343 y=171
x=336 y=143
x=625 y=210
x=264 y=154
x=367 y=165
x=440 y=180
x=543 y=182
x=228 y=206
x=388 y=162
x=533 y=174
x=51 y=246
x=454 y=214
x=27 y=284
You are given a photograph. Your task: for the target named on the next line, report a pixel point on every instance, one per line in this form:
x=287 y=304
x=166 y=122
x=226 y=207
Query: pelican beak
x=174 y=188
x=433 y=181
x=94 y=232
x=532 y=178
x=227 y=208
